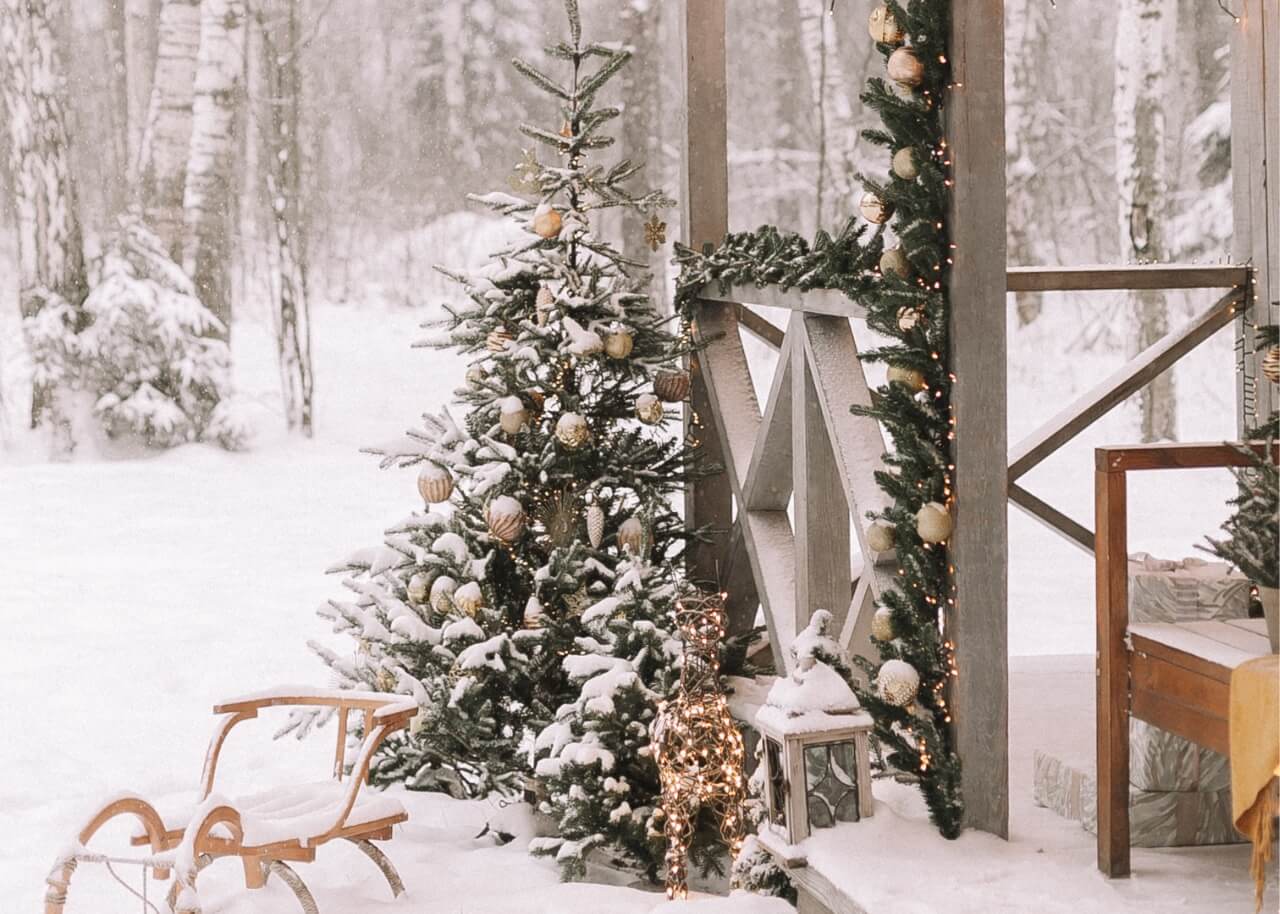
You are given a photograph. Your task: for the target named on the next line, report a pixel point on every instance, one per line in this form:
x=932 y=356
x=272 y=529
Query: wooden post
x=704 y=192
x=821 y=510
x=978 y=623
x=1255 y=179
x=1112 y=706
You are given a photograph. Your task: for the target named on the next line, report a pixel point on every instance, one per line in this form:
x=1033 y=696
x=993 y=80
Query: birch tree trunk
x=50 y=251
x=207 y=200
x=166 y=139
x=140 y=38
x=1141 y=64
x=831 y=93
x=281 y=48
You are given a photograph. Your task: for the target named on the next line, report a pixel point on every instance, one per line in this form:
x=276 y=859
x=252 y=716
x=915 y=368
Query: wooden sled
x=267 y=831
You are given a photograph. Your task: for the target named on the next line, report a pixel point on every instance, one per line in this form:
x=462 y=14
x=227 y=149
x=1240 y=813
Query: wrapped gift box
x=1190 y=590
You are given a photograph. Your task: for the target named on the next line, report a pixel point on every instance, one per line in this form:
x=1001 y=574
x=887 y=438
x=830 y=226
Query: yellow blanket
x=1255 y=758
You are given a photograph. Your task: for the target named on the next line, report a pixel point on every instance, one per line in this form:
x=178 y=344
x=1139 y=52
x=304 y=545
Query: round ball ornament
x=618 y=344
x=418 y=589
x=880 y=537
x=882 y=625
x=595 y=525
x=572 y=430
x=1271 y=365
x=546 y=221
x=898 y=682
x=909 y=318
x=883 y=28
x=933 y=522
x=671 y=386
x=435 y=485
x=468 y=598
x=442 y=590
x=893 y=262
x=649 y=409
x=874 y=210
x=505 y=517
x=905 y=68
x=904 y=164
x=631 y=536
x=497 y=340
x=905 y=376
x=512 y=415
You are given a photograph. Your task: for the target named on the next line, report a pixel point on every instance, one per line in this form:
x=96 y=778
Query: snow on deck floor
x=1048 y=865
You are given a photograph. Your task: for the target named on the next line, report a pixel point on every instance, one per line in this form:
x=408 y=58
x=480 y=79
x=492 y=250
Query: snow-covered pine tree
x=530 y=615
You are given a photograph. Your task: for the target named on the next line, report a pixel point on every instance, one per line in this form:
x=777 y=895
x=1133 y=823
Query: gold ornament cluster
x=697 y=745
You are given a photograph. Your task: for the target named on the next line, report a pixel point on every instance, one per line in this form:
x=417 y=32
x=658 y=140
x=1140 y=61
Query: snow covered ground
x=137 y=593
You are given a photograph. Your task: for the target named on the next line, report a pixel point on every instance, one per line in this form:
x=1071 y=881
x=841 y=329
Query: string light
x=697 y=746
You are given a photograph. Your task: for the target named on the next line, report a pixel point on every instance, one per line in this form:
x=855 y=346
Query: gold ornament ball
x=906 y=376
x=546 y=221
x=468 y=598
x=882 y=624
x=435 y=485
x=909 y=317
x=933 y=522
x=880 y=537
x=649 y=409
x=874 y=210
x=905 y=68
x=418 y=589
x=904 y=164
x=884 y=28
x=497 y=340
x=1271 y=364
x=505 y=517
x=442 y=589
x=671 y=386
x=595 y=525
x=631 y=536
x=572 y=430
x=894 y=263
x=512 y=415
x=618 y=344
x=898 y=682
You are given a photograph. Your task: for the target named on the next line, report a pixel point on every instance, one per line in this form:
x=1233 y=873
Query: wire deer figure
x=698 y=747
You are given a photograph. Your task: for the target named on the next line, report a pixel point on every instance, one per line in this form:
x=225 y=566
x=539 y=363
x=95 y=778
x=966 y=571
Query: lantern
x=817 y=767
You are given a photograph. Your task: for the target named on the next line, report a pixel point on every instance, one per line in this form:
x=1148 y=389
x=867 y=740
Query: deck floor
x=895 y=863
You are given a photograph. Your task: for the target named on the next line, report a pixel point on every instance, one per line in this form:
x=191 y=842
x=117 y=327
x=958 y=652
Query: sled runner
x=268 y=830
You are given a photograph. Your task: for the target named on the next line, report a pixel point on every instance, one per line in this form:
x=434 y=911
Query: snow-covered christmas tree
x=530 y=609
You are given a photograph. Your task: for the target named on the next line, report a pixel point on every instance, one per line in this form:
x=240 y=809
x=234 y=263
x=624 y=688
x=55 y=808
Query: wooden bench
x=264 y=830
x=1174 y=676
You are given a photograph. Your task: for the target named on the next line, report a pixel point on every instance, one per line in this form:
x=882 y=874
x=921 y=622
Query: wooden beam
x=1096 y=278
x=739 y=580
x=855 y=634
x=1113 y=391
x=1255 y=186
x=764 y=330
x=821 y=509
x=1075 y=533
x=768 y=482
x=1176 y=455
x=978 y=623
x=704 y=186
x=1112 y=706
x=815 y=301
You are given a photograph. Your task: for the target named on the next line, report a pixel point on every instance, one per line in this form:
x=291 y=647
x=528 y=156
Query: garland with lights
x=903 y=287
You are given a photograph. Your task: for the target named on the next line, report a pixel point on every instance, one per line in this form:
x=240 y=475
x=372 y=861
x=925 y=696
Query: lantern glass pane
x=777 y=782
x=831 y=786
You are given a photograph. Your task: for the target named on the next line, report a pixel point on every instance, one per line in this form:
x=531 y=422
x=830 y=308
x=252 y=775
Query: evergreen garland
x=912 y=310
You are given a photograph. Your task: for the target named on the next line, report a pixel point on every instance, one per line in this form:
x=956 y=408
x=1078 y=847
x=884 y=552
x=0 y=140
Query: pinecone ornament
x=595 y=525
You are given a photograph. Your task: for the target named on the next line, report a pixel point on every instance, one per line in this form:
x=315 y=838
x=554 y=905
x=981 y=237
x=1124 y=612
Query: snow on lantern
x=817 y=771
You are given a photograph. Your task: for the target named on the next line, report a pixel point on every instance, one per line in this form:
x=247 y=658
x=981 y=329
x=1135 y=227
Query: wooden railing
x=1131 y=377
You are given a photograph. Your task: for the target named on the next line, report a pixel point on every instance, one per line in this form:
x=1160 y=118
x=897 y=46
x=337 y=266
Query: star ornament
x=524 y=178
x=655 y=233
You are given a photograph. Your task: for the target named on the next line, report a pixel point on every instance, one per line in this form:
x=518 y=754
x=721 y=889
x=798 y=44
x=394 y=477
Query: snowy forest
x=290 y=155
